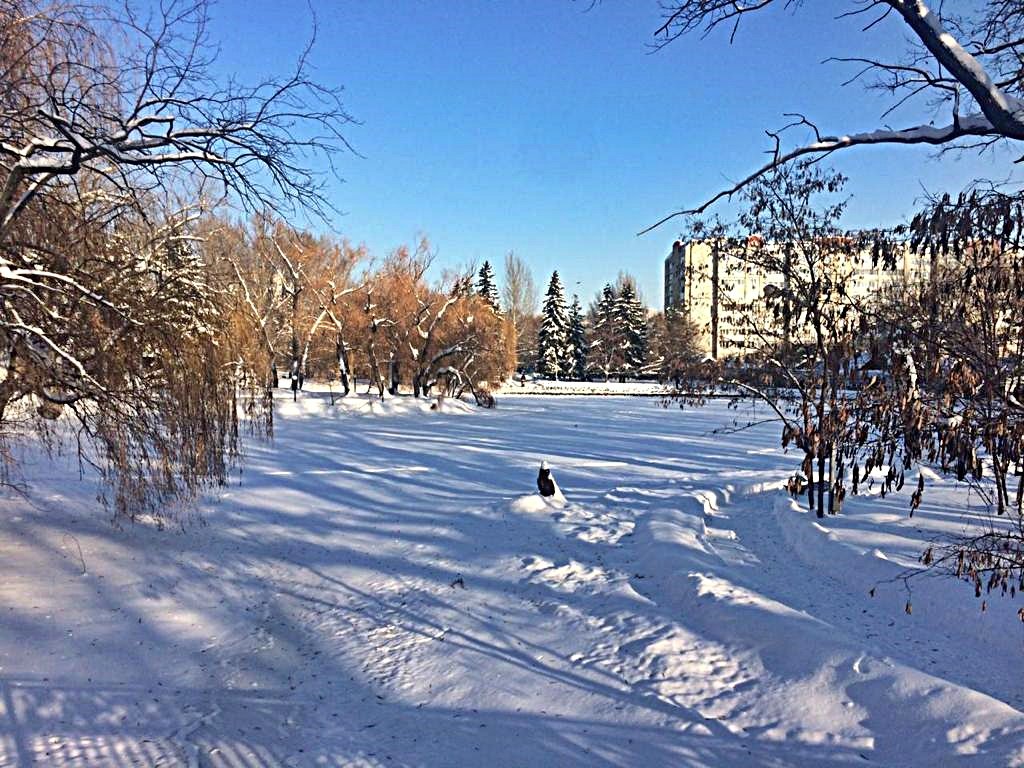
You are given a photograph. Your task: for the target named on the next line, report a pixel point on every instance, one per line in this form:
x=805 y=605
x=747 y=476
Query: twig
x=81 y=557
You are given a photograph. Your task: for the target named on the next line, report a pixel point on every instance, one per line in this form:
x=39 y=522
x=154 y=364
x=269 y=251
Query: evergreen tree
x=553 y=344
x=605 y=350
x=632 y=322
x=577 y=340
x=487 y=288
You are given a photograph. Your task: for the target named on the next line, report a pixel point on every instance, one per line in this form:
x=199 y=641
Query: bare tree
x=428 y=334
x=333 y=290
x=402 y=299
x=428 y=351
x=964 y=62
x=520 y=300
x=797 y=344
x=132 y=99
x=255 y=286
x=674 y=347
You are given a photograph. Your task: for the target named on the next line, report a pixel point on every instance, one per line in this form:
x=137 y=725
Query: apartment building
x=724 y=293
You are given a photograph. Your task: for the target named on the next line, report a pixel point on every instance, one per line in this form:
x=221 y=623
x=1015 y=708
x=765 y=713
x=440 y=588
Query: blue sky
x=548 y=127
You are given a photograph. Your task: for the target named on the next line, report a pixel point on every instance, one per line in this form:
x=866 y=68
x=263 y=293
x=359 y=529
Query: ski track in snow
x=383 y=589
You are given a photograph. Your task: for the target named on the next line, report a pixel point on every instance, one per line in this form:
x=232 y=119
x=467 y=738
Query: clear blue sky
x=547 y=127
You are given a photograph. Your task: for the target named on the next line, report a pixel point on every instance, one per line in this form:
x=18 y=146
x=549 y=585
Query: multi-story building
x=724 y=293
x=675 y=278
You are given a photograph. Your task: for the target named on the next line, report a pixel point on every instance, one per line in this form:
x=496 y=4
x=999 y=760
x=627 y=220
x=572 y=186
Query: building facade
x=724 y=293
x=675 y=266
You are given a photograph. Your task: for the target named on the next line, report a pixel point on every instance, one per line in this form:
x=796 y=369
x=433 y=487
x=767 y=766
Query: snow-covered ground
x=537 y=386
x=382 y=588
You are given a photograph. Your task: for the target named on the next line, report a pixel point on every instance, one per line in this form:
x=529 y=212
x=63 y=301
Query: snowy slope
x=382 y=588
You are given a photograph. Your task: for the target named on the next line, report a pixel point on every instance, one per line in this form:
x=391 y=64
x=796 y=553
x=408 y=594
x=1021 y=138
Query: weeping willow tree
x=112 y=325
x=117 y=338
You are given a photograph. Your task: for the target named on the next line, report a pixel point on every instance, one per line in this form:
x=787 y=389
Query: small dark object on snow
x=458 y=582
x=545 y=483
x=796 y=485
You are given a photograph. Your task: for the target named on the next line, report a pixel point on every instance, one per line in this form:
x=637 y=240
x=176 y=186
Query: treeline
x=617 y=337
x=317 y=306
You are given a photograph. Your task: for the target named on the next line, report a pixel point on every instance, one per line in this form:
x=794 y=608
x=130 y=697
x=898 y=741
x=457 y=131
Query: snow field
x=382 y=587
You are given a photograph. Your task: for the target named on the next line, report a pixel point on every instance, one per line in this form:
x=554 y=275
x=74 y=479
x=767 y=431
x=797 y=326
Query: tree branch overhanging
x=984 y=77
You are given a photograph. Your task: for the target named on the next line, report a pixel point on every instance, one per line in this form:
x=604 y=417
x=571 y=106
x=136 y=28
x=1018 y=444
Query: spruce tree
x=553 y=353
x=487 y=288
x=632 y=323
x=577 y=340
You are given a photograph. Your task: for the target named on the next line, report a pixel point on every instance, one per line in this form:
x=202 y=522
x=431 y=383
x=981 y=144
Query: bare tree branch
x=985 y=77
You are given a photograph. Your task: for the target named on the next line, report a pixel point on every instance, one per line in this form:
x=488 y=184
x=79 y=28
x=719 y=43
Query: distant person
x=545 y=482
x=295 y=374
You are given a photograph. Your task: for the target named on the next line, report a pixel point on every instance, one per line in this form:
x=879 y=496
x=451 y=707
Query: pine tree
x=487 y=288
x=632 y=321
x=553 y=345
x=577 y=340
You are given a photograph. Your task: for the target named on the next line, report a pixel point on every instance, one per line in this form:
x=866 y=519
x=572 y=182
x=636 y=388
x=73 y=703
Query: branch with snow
x=148 y=111
x=999 y=112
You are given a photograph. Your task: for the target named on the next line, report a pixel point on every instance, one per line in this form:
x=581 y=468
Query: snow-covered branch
x=984 y=78
x=147 y=110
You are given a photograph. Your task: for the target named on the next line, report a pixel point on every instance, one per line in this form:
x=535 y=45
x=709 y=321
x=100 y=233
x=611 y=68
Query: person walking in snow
x=545 y=482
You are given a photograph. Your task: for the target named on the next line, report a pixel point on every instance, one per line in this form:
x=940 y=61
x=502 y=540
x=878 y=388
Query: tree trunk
x=821 y=482
x=810 y=481
x=714 y=303
x=1020 y=490
x=1002 y=497
x=832 y=478
x=371 y=354
x=376 y=378
x=343 y=368
x=393 y=372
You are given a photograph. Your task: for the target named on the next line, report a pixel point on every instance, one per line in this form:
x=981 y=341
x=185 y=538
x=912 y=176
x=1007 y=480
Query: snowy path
x=383 y=590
